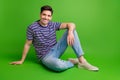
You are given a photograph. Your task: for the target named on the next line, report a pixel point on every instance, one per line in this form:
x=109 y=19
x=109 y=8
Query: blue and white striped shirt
x=43 y=38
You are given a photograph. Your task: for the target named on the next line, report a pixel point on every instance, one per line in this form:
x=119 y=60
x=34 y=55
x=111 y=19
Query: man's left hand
x=70 y=38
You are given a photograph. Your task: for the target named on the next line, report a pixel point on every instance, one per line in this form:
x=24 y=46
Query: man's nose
x=46 y=17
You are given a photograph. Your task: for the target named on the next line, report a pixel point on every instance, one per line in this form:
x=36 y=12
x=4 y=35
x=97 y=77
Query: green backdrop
x=98 y=26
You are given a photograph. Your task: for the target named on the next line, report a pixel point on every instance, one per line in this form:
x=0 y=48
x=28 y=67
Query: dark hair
x=46 y=7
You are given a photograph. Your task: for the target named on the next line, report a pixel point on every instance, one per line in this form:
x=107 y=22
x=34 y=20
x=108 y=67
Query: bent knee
x=59 y=68
x=55 y=64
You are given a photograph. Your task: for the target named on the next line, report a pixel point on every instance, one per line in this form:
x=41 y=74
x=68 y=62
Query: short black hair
x=47 y=7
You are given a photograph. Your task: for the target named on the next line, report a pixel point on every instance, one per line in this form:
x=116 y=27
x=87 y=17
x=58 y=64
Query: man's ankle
x=82 y=59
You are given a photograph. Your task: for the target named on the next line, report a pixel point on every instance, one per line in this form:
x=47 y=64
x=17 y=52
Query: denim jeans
x=52 y=59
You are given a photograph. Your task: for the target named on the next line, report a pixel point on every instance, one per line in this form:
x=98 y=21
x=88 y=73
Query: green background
x=98 y=26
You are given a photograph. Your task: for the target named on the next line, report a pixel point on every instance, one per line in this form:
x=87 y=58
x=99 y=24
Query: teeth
x=45 y=20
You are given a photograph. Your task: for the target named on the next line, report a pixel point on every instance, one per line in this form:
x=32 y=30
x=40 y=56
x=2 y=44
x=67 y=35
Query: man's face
x=45 y=17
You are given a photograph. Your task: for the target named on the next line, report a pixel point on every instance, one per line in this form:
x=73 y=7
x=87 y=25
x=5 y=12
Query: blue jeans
x=52 y=59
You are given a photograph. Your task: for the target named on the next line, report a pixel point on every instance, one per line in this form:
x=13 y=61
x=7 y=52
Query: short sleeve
x=57 y=25
x=29 y=34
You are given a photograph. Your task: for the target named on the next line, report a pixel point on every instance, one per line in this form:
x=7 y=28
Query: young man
x=42 y=34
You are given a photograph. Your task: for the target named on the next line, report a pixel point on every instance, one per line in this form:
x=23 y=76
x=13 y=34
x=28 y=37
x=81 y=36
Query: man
x=42 y=34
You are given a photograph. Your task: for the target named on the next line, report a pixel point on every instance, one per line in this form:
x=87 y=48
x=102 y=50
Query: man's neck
x=42 y=24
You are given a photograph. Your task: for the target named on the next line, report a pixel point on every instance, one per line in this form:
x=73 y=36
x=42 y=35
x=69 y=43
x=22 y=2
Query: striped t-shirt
x=43 y=38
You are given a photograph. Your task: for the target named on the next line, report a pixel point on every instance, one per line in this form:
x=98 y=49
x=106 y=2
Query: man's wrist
x=22 y=60
x=70 y=31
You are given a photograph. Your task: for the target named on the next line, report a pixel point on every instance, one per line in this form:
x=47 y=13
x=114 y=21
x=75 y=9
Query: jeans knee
x=59 y=68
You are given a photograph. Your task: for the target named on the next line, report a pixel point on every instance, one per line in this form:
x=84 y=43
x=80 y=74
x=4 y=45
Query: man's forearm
x=71 y=27
x=25 y=51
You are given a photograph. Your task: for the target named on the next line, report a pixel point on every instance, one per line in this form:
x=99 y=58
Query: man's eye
x=49 y=15
x=44 y=14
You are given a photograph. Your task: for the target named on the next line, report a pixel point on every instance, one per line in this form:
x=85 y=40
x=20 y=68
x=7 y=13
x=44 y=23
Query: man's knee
x=59 y=67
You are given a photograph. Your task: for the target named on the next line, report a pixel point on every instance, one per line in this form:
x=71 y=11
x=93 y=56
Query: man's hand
x=16 y=62
x=70 y=27
x=25 y=51
x=70 y=38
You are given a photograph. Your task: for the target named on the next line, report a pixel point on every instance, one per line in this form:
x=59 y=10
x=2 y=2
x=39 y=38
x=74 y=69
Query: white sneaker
x=88 y=66
x=85 y=65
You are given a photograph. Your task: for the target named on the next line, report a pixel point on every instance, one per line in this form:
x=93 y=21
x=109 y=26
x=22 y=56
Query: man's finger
x=68 y=41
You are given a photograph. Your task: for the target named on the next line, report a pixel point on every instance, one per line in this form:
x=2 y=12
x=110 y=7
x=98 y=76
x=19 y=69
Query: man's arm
x=25 y=51
x=70 y=27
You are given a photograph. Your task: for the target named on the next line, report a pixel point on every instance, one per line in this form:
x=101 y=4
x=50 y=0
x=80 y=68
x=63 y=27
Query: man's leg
x=62 y=44
x=52 y=61
x=81 y=61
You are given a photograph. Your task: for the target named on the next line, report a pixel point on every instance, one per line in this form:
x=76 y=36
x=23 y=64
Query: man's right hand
x=16 y=62
x=25 y=51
